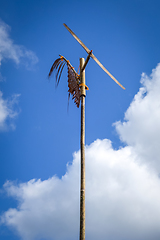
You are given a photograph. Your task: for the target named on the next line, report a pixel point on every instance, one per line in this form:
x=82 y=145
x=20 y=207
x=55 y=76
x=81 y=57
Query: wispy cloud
x=122 y=190
x=10 y=50
x=20 y=55
x=8 y=112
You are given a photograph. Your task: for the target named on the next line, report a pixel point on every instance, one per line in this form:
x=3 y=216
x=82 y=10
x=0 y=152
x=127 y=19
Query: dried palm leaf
x=54 y=66
x=60 y=73
x=58 y=62
x=73 y=78
x=73 y=85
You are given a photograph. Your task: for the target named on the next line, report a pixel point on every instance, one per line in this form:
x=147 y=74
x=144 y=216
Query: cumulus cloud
x=10 y=50
x=8 y=112
x=122 y=199
x=141 y=126
x=122 y=190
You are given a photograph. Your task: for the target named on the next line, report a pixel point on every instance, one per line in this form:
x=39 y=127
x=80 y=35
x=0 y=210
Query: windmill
x=77 y=88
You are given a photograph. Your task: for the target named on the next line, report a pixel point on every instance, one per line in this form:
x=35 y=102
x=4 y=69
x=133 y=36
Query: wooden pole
x=82 y=190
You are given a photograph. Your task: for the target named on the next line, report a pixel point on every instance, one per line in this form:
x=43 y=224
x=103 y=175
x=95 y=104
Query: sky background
x=40 y=138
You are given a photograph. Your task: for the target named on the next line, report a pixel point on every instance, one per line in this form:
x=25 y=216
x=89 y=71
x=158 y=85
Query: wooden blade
x=74 y=35
x=94 y=58
x=100 y=64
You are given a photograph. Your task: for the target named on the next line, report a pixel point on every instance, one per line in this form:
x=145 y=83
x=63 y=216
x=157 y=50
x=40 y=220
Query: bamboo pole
x=82 y=190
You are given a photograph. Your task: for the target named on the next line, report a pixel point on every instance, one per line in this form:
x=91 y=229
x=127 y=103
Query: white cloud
x=122 y=191
x=8 y=112
x=10 y=50
x=122 y=199
x=20 y=55
x=141 y=128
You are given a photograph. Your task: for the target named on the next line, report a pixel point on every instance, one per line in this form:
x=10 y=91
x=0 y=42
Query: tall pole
x=82 y=190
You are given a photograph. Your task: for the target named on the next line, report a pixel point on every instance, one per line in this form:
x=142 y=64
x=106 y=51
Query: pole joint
x=87 y=60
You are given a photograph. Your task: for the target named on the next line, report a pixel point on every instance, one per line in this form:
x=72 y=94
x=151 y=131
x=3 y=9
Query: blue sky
x=39 y=138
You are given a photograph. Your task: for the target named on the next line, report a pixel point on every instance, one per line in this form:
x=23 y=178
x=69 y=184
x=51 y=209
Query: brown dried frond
x=73 y=78
x=58 y=64
x=53 y=66
x=73 y=85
